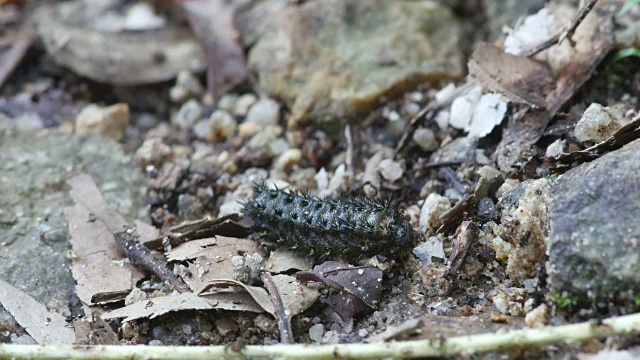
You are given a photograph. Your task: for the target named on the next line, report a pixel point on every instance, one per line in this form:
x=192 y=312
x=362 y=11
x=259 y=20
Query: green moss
x=564 y=302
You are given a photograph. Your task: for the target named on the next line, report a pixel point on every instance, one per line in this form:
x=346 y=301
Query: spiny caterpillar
x=347 y=228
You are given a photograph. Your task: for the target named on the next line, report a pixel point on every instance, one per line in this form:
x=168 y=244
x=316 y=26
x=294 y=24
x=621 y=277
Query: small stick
x=141 y=256
x=466 y=233
x=458 y=346
x=567 y=31
x=283 y=314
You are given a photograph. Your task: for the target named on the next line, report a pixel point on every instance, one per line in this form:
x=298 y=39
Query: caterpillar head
x=403 y=235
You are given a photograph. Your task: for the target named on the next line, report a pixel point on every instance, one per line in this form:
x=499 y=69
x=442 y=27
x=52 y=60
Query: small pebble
x=227 y=102
x=390 y=170
x=434 y=206
x=597 y=124
x=287 y=159
x=187 y=86
x=155 y=343
x=189 y=113
x=152 y=152
x=136 y=295
x=110 y=121
x=223 y=125
x=242 y=105
x=429 y=249
x=555 y=148
x=538 y=317
x=426 y=139
x=316 y=332
x=278 y=146
x=247 y=129
x=264 y=112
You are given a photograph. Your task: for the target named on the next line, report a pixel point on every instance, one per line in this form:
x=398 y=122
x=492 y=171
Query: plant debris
x=357 y=288
x=46 y=327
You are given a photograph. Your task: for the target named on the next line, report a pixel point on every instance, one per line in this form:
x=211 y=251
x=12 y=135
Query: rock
x=428 y=250
x=34 y=236
x=390 y=170
x=187 y=86
x=316 y=332
x=153 y=152
x=227 y=102
x=332 y=61
x=287 y=159
x=243 y=104
x=218 y=127
x=538 y=317
x=434 y=206
x=524 y=224
x=487 y=209
x=555 y=148
x=594 y=252
x=264 y=112
x=425 y=139
x=110 y=121
x=596 y=125
x=189 y=113
x=501 y=13
x=136 y=295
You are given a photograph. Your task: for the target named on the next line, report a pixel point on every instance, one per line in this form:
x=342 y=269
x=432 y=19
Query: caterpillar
x=346 y=228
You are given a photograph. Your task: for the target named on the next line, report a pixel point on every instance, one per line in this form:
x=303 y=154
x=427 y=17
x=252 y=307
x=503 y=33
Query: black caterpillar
x=347 y=228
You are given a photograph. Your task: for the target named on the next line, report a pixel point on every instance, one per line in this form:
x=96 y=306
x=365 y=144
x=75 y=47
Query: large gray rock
x=33 y=231
x=333 y=60
x=595 y=232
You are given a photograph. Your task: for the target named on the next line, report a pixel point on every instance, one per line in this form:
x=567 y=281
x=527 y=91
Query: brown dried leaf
x=295 y=296
x=99 y=278
x=158 y=306
x=282 y=260
x=358 y=288
x=593 y=40
x=94 y=332
x=45 y=327
x=214 y=22
x=259 y=294
x=519 y=79
x=212 y=258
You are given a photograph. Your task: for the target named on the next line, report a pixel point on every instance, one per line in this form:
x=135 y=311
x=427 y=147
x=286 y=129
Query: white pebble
x=242 y=105
x=426 y=139
x=316 y=332
x=265 y=111
x=596 y=124
x=189 y=113
x=287 y=159
x=390 y=170
x=434 y=206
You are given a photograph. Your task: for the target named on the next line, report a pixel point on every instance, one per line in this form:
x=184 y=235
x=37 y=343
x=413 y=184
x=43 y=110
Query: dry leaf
x=520 y=80
x=45 y=327
x=94 y=332
x=213 y=258
x=282 y=260
x=593 y=40
x=358 y=288
x=99 y=276
x=158 y=306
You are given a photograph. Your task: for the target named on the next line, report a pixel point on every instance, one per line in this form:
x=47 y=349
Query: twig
x=465 y=235
x=455 y=346
x=567 y=31
x=349 y=138
x=429 y=111
x=141 y=256
x=283 y=314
